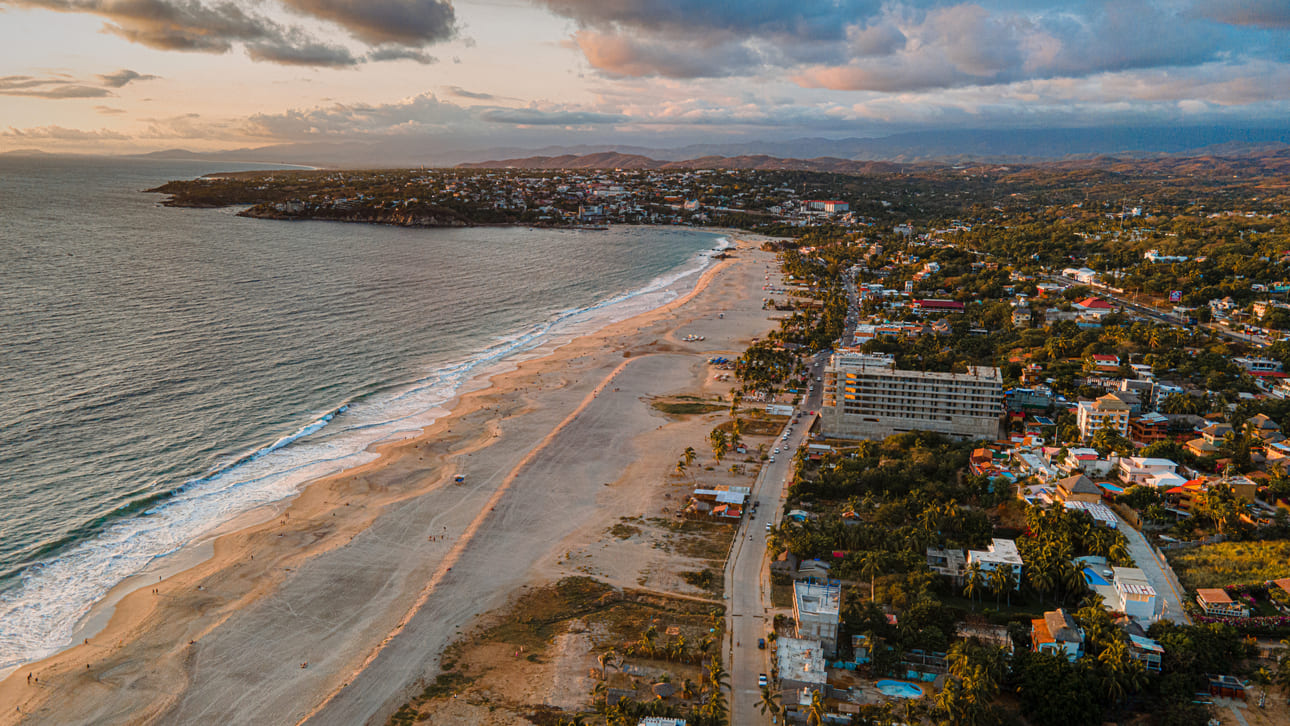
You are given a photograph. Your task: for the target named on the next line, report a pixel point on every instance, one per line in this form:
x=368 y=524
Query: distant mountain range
x=1016 y=145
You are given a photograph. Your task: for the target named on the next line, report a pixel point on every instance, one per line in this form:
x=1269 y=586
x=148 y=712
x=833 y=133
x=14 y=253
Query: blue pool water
x=1093 y=578
x=899 y=689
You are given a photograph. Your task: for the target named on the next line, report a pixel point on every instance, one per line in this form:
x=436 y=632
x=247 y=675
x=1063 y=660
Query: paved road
x=1167 y=318
x=747 y=578
x=1153 y=567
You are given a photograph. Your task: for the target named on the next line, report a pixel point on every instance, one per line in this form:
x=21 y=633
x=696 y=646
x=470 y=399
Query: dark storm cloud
x=405 y=22
x=123 y=77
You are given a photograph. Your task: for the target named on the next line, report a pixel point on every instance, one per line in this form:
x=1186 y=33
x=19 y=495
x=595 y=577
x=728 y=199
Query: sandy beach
x=334 y=608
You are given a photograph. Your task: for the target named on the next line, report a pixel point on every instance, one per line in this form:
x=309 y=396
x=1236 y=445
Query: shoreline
x=234 y=545
x=536 y=340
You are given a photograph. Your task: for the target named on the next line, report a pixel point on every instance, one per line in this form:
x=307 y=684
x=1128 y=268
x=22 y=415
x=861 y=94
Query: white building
x=1137 y=597
x=1140 y=470
x=1100 y=513
x=1255 y=364
x=1000 y=552
x=801 y=663
x=866 y=397
x=815 y=608
x=1106 y=412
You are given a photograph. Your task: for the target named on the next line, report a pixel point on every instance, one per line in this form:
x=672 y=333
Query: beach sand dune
x=335 y=610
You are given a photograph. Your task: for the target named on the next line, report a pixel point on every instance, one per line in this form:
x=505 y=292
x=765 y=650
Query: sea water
x=164 y=370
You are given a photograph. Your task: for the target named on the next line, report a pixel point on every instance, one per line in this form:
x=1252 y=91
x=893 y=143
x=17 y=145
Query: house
x=801 y=664
x=1057 y=633
x=1201 y=447
x=1139 y=470
x=1137 y=597
x=1215 y=433
x=1217 y=603
x=1264 y=428
x=1103 y=363
x=813 y=570
x=1100 y=513
x=1000 y=552
x=1079 y=458
x=1256 y=365
x=936 y=306
x=997 y=636
x=1146 y=651
x=1109 y=411
x=1077 y=488
x=1093 y=306
x=1021 y=317
x=948 y=561
x=785 y=563
x=1149 y=428
x=816 y=608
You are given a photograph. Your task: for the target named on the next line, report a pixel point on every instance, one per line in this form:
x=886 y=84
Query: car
x=756 y=504
x=762 y=680
x=771 y=460
x=768 y=525
x=776 y=449
x=761 y=643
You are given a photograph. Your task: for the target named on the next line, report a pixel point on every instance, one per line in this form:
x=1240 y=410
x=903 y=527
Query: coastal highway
x=747 y=577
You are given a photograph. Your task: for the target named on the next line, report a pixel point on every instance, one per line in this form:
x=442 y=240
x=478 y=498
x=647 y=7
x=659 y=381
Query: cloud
x=109 y=110
x=460 y=92
x=912 y=45
x=123 y=77
x=395 y=53
x=538 y=117
x=621 y=54
x=60 y=133
x=217 y=26
x=1257 y=13
x=57 y=87
x=404 y=22
x=300 y=51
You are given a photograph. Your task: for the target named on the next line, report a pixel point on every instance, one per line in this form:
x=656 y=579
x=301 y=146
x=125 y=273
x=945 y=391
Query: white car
x=776 y=449
x=772 y=460
x=761 y=680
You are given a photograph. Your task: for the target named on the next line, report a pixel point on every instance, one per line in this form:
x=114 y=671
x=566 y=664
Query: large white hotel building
x=866 y=397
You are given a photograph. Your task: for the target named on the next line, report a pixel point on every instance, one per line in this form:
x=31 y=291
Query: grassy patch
x=624 y=531
x=706 y=579
x=1231 y=563
x=686 y=408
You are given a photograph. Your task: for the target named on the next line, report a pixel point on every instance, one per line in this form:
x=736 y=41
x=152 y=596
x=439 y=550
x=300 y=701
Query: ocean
x=164 y=370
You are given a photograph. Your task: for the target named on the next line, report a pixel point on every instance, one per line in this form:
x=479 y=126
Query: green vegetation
x=1231 y=563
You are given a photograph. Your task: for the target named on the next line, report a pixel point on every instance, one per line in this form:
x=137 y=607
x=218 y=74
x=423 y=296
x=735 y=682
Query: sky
x=124 y=76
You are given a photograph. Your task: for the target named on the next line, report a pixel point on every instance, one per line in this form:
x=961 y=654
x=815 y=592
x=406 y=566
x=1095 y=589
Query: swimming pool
x=899 y=689
x=1093 y=578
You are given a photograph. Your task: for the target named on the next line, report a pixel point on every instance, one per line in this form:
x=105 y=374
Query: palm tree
x=769 y=702
x=605 y=659
x=871 y=563
x=687 y=689
x=973 y=581
x=689 y=455
x=815 y=711
x=1001 y=582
